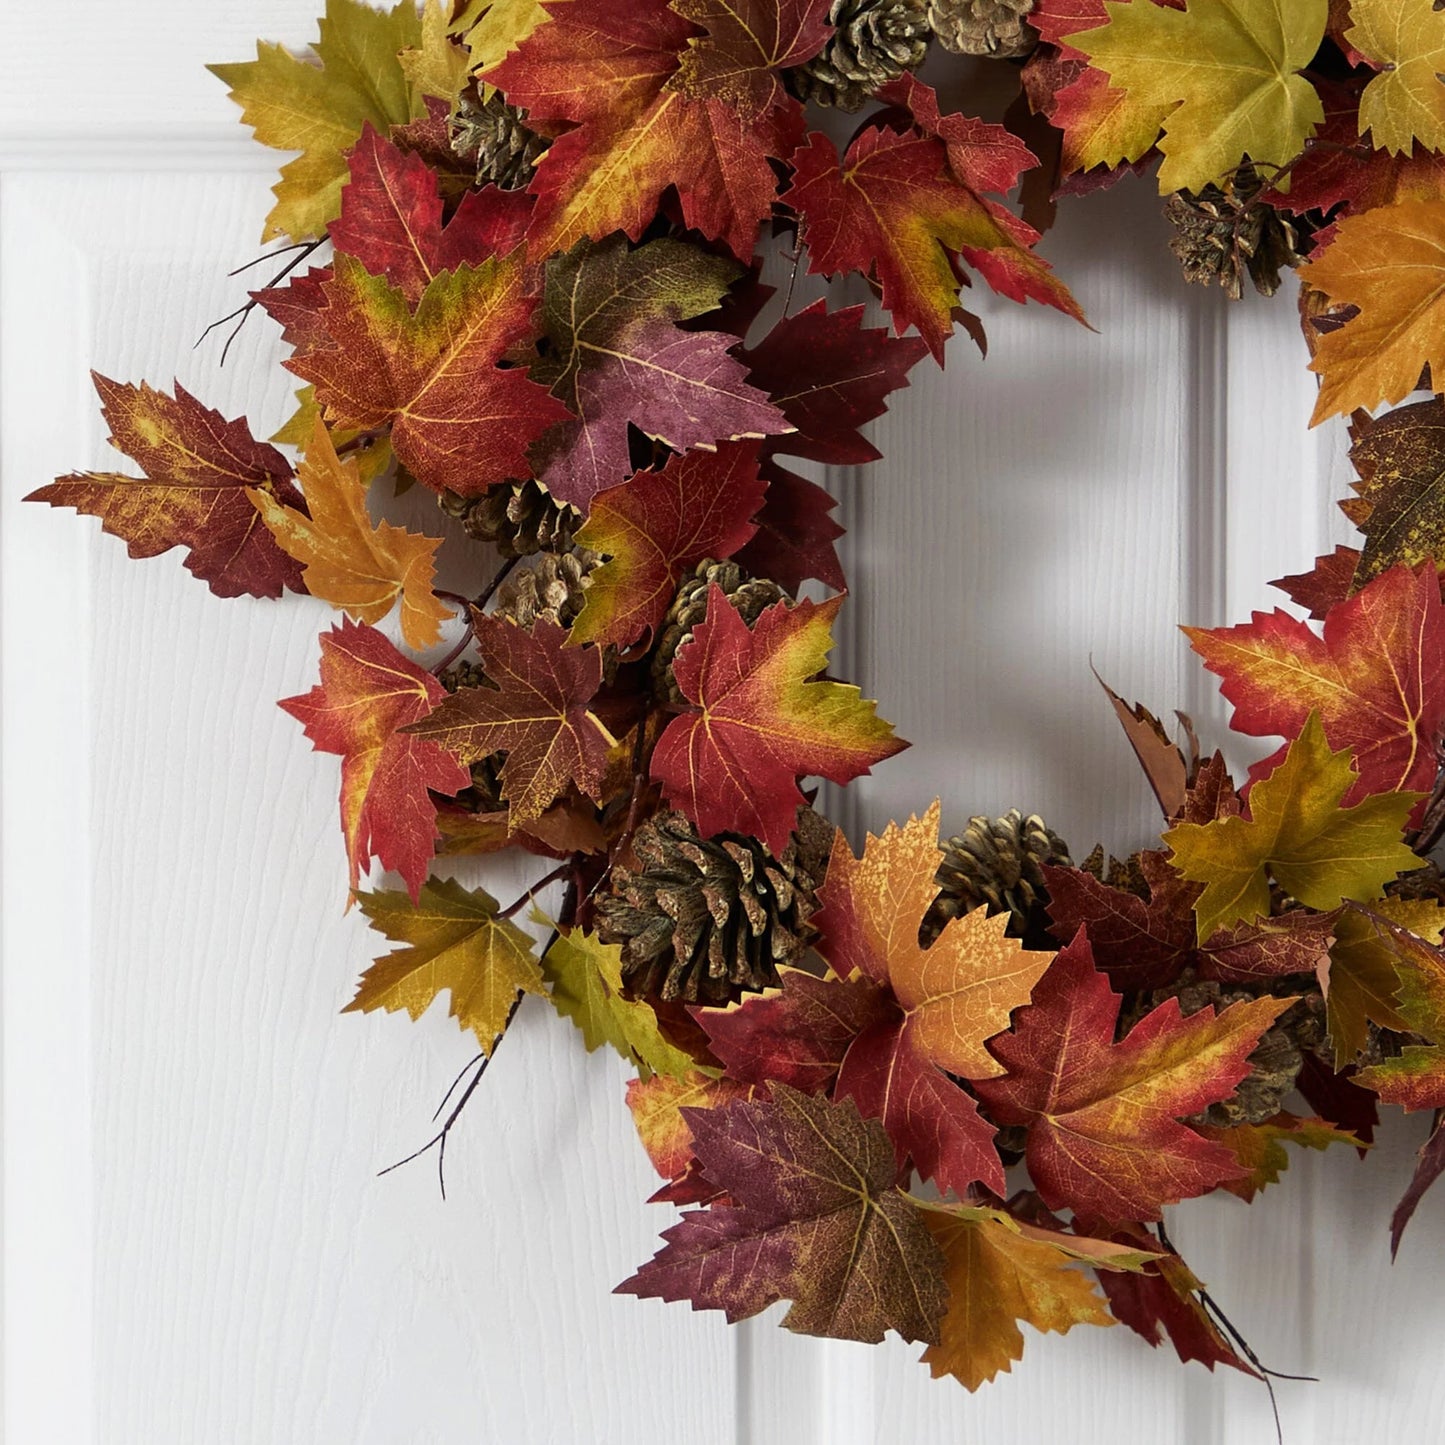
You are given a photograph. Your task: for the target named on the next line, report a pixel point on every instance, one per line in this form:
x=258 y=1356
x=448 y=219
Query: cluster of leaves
x=588 y=370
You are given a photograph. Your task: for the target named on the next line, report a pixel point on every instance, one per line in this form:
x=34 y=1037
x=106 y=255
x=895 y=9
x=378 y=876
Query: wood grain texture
x=196 y=1248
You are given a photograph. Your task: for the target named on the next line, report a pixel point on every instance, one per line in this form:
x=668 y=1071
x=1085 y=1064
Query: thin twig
x=240 y=314
x=438 y=1141
x=792 y=279
x=500 y=576
x=466 y=1068
x=271 y=256
x=555 y=876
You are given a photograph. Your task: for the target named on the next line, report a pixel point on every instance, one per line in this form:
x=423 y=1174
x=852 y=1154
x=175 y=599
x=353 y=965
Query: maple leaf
x=656 y=1104
x=319 y=110
x=1162 y=1302
x=1146 y=942
x=1160 y=757
x=655 y=528
x=535 y=711
x=198 y=468
x=454 y=941
x=1361 y=984
x=732 y=765
x=797 y=1034
x=457 y=419
x=1229 y=70
x=392 y=219
x=1416 y=1078
x=1101 y=126
x=349 y=563
x=796 y=532
x=816 y=1220
x=747 y=43
x=1405 y=103
x=1429 y=1165
x=1390 y=263
x=1328 y=582
x=1104 y=1136
x=368 y=691
x=1316 y=850
x=1375 y=679
x=606 y=65
x=492 y=28
x=1000 y=1273
x=1337 y=175
x=946 y=1000
x=1259 y=1148
x=829 y=374
x=585 y=976
x=437 y=67
x=615 y=356
x=893 y=207
x=1401 y=464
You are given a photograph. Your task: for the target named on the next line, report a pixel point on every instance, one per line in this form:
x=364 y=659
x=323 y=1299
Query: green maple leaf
x=1298 y=833
x=586 y=979
x=320 y=109
x=454 y=941
x=1230 y=70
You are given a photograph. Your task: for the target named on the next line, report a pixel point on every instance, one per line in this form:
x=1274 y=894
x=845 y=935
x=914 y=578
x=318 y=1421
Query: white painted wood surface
x=197 y=1250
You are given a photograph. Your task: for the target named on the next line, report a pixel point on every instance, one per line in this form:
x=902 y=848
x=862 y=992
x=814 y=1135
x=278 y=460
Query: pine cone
x=518 y=518
x=706 y=919
x=995 y=28
x=750 y=595
x=1220 y=233
x=873 y=42
x=493 y=135
x=997 y=862
x=553 y=587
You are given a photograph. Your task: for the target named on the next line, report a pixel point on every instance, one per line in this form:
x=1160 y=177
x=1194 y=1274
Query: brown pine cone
x=752 y=596
x=707 y=919
x=518 y=518
x=1220 y=234
x=997 y=862
x=494 y=137
x=553 y=587
x=994 y=28
x=873 y=42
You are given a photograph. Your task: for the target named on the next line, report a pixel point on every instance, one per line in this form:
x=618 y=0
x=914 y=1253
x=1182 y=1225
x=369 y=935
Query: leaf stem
x=555 y=876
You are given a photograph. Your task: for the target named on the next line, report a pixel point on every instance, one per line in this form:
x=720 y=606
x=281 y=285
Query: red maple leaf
x=797 y=1035
x=197 y=468
x=611 y=67
x=391 y=218
x=894 y=208
x=368 y=692
x=829 y=374
x=458 y=419
x=747 y=44
x=1376 y=677
x=1104 y=1136
x=759 y=724
x=534 y=709
x=653 y=528
x=1329 y=581
x=796 y=533
x=1147 y=942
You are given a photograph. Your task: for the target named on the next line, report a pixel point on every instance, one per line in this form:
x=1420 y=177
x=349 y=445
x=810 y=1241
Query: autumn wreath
x=541 y=298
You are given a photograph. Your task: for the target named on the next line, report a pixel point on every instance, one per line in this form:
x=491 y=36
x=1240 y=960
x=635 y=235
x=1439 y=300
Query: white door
x=197 y=1248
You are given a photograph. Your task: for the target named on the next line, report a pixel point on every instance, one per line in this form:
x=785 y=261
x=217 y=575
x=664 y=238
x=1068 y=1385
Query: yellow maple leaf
x=349 y=563
x=456 y=942
x=1230 y=70
x=438 y=66
x=585 y=975
x=1297 y=832
x=319 y=109
x=1000 y=1273
x=490 y=28
x=1405 y=102
x=1390 y=262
